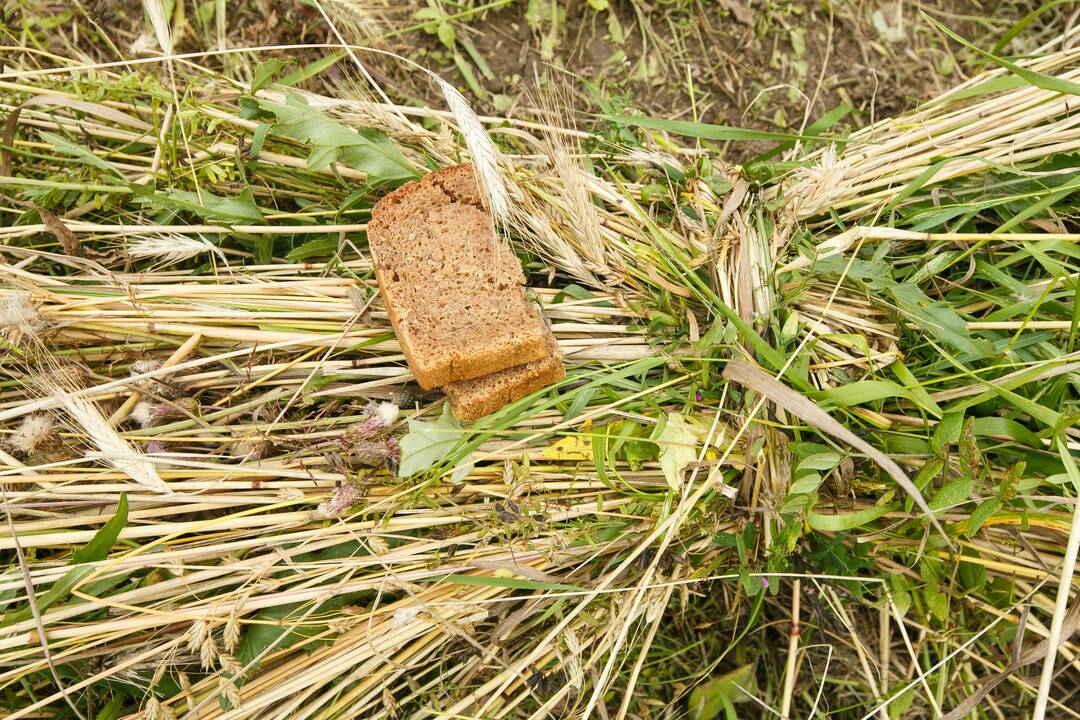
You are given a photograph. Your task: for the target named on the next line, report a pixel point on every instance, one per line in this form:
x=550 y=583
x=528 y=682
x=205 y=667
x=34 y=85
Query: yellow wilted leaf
x=571 y=447
x=678 y=448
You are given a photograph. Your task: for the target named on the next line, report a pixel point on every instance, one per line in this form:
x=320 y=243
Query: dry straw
x=542 y=580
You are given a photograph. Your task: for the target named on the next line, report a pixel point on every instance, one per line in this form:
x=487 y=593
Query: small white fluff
x=387 y=412
x=32 y=432
x=19 y=315
x=143 y=413
x=405 y=615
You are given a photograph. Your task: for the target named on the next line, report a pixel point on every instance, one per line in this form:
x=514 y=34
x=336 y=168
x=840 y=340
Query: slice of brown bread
x=453 y=291
x=473 y=399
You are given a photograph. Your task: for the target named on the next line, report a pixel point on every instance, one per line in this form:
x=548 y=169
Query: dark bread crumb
x=472 y=399
x=453 y=291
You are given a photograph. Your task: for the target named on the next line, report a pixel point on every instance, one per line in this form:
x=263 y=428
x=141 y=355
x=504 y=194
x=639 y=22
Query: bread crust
x=473 y=399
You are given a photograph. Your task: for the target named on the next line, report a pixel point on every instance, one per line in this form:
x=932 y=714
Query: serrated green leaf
x=78 y=151
x=429 y=443
x=362 y=149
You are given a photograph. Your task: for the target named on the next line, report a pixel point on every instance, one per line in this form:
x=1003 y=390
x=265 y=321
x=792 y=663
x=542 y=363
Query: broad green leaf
x=805 y=484
x=909 y=381
x=947 y=432
x=678 y=448
x=936 y=601
x=720 y=694
x=972 y=576
x=320 y=247
x=902 y=600
x=952 y=493
x=937 y=318
x=820 y=461
x=446 y=34
x=240 y=209
x=362 y=149
x=265 y=72
x=99 y=546
x=429 y=443
x=929 y=471
x=276 y=628
x=1006 y=428
x=898 y=708
x=112 y=710
x=862 y=392
x=97 y=549
x=636 y=448
x=846 y=521
x=87 y=157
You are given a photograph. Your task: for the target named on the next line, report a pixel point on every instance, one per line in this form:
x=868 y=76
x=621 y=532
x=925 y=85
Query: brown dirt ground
x=762 y=64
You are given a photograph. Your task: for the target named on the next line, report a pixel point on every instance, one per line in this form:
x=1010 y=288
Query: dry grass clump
x=244 y=508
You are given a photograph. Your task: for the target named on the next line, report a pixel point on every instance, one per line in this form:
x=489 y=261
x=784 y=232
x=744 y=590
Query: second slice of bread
x=473 y=399
x=454 y=292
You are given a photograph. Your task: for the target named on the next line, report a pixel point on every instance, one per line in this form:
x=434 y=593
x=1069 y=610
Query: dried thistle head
x=344 y=497
x=377 y=417
x=254 y=448
x=151 y=386
x=381 y=452
x=19 y=316
x=147 y=413
x=34 y=431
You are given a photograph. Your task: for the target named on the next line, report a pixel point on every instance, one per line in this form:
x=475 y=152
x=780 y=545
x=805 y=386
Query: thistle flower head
x=34 y=431
x=378 y=416
x=345 y=496
x=19 y=316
